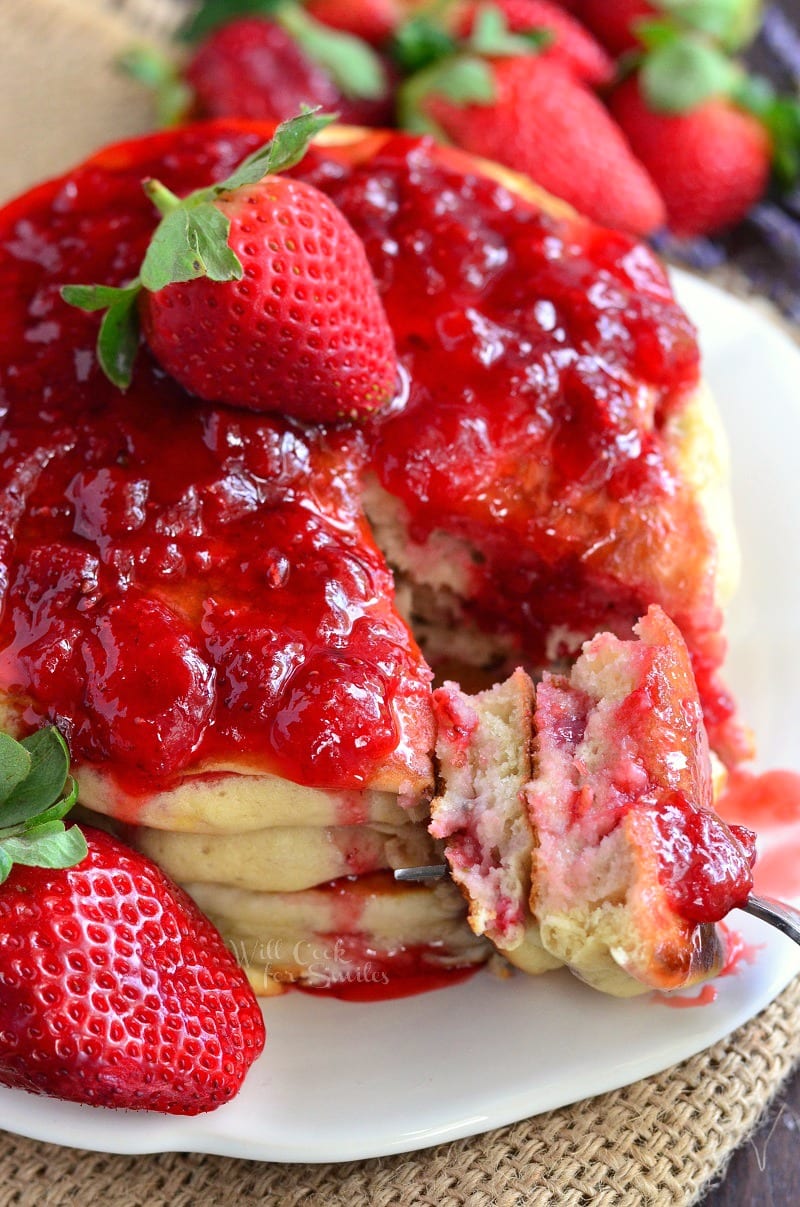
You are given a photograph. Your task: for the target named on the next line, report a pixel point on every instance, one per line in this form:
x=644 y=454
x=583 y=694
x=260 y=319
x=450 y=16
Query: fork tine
x=433 y=871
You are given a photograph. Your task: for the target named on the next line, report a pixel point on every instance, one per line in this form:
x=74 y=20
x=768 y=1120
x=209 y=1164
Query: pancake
x=368 y=930
x=284 y=858
x=217 y=606
x=578 y=819
x=485 y=763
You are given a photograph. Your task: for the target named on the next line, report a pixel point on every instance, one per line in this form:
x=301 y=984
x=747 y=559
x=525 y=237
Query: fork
x=783 y=917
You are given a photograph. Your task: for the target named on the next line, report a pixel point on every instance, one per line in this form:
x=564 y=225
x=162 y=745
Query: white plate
x=339 y=1081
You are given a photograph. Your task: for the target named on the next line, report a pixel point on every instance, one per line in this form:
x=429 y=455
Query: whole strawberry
x=711 y=162
x=614 y=24
x=255 y=68
x=303 y=332
x=258 y=293
x=538 y=119
x=266 y=58
x=569 y=42
x=114 y=989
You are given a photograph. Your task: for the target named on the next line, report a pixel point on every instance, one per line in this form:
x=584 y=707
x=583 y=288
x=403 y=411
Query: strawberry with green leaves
x=566 y=39
x=617 y=23
x=493 y=95
x=114 y=989
x=708 y=134
x=264 y=59
x=711 y=162
x=255 y=292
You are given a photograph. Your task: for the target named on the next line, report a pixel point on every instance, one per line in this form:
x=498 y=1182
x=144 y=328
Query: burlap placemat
x=659 y=1141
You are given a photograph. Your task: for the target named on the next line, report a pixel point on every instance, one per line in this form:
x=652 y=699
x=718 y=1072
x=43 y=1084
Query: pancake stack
x=222 y=610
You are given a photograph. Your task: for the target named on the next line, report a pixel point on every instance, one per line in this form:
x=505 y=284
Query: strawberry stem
x=162 y=198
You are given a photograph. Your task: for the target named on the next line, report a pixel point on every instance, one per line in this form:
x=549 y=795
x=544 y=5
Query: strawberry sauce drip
x=706 y=866
x=181 y=581
x=347 y=963
x=737 y=951
x=770 y=801
x=373 y=977
x=385 y=981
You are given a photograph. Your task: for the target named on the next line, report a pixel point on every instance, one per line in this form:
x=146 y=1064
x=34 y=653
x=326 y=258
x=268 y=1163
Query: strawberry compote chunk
x=180 y=583
x=706 y=866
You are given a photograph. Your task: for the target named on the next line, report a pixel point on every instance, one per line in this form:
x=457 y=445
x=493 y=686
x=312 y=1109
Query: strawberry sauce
x=546 y=358
x=680 y=1001
x=770 y=802
x=382 y=982
x=706 y=866
x=182 y=581
x=737 y=952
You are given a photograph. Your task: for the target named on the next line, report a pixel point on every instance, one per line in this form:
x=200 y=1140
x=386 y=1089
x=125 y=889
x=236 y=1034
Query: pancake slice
x=485 y=760
x=629 y=866
x=229 y=802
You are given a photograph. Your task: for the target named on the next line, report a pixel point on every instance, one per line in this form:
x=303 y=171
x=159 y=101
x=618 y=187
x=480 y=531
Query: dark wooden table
x=765 y=1172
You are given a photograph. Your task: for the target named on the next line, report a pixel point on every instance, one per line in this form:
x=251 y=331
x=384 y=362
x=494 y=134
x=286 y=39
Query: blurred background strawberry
x=660 y=117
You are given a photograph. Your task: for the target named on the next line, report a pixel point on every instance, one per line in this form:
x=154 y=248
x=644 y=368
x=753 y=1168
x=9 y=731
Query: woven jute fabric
x=659 y=1141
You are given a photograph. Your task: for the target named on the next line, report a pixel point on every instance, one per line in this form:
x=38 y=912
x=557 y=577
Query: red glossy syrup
x=180 y=582
x=345 y=963
x=737 y=952
x=381 y=980
x=184 y=581
x=545 y=360
x=706 y=866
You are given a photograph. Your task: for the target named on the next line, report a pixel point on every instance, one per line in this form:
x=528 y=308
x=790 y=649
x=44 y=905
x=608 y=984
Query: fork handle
x=783 y=917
